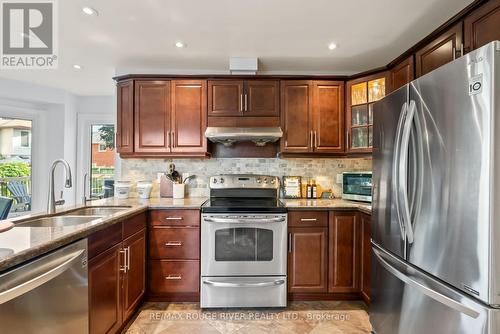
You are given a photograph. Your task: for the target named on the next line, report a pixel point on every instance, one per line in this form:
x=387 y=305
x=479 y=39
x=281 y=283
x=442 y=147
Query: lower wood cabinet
x=174 y=255
x=344 y=252
x=116 y=275
x=366 y=253
x=307 y=259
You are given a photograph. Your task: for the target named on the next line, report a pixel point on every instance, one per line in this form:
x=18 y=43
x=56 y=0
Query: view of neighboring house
x=15 y=139
x=102 y=162
x=102 y=156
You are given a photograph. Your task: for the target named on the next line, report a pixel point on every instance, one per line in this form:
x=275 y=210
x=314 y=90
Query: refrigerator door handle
x=424 y=289
x=395 y=178
x=403 y=172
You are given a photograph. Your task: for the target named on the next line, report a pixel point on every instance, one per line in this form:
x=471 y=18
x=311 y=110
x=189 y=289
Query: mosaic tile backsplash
x=322 y=170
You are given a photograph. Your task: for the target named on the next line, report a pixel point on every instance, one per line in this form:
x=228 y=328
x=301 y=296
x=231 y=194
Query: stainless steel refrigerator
x=436 y=200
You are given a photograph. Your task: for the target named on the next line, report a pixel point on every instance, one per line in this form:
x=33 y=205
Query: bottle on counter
x=308 y=189
x=314 y=189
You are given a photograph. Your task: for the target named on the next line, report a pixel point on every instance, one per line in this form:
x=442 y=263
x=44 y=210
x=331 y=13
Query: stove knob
x=221 y=180
x=259 y=180
x=273 y=181
x=214 y=180
x=265 y=181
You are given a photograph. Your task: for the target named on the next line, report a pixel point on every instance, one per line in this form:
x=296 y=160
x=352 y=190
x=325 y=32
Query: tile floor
x=333 y=317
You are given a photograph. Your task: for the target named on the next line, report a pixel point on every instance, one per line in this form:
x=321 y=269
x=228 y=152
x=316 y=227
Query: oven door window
x=243 y=244
x=358 y=185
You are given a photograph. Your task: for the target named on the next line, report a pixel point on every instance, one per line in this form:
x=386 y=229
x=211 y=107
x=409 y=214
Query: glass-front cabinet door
x=361 y=94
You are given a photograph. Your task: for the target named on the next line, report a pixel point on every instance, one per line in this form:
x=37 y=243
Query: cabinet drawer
x=174 y=276
x=175 y=217
x=308 y=218
x=134 y=224
x=174 y=243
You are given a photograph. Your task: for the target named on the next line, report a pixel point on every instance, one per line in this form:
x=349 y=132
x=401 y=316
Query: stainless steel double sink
x=74 y=217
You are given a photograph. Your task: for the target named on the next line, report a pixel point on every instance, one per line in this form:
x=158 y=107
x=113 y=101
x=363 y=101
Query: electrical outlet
x=339 y=178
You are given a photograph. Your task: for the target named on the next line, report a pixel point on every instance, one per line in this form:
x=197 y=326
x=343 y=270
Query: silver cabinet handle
x=246 y=102
x=347 y=140
x=128 y=258
x=315 y=140
x=173 y=243
x=241 y=102
x=124 y=267
x=173 y=277
x=308 y=219
x=289 y=242
x=173 y=218
x=461 y=49
x=424 y=289
x=243 y=220
x=33 y=283
x=244 y=285
x=311 y=139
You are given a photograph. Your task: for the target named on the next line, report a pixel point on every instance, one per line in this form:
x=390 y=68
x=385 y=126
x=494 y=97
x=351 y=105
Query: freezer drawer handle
x=244 y=285
x=425 y=290
x=33 y=283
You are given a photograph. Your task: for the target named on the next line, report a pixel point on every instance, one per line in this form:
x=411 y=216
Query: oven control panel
x=244 y=181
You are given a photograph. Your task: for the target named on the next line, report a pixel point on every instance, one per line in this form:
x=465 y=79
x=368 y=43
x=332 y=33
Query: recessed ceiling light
x=180 y=45
x=90 y=11
x=332 y=46
x=77 y=67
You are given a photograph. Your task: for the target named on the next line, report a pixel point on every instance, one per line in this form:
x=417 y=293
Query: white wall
x=55 y=127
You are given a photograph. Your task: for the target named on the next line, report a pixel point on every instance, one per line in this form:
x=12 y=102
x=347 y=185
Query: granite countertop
x=326 y=204
x=20 y=244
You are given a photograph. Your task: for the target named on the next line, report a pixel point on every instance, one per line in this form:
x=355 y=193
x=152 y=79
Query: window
x=15 y=162
x=25 y=139
x=102 y=161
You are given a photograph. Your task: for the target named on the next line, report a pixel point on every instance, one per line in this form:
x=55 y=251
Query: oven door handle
x=244 y=220
x=244 y=285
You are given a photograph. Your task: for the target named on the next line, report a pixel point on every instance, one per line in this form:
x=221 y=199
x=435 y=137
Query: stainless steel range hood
x=229 y=135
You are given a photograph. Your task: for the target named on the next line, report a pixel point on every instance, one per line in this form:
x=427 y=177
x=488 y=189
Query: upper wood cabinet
x=243 y=98
x=344 y=252
x=328 y=116
x=161 y=118
x=225 y=98
x=482 y=26
x=125 y=117
x=440 y=51
x=361 y=94
x=312 y=116
x=296 y=116
x=189 y=116
x=152 y=117
x=402 y=73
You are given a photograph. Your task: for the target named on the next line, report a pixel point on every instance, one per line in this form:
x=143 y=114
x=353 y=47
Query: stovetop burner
x=244 y=205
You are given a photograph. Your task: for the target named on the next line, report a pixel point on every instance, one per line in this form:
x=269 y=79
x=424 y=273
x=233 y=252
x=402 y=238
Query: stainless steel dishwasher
x=47 y=295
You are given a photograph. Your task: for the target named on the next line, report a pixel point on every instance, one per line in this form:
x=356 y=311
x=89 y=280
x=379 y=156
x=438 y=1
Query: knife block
x=166 y=187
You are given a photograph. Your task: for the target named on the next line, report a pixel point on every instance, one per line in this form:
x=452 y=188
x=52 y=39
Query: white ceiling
x=288 y=37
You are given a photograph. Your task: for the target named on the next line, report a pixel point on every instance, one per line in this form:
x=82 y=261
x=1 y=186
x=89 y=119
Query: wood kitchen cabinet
x=189 y=116
x=312 y=116
x=125 y=117
x=366 y=254
x=174 y=255
x=246 y=98
x=152 y=117
x=361 y=94
x=402 y=73
x=307 y=259
x=344 y=252
x=117 y=257
x=439 y=51
x=307 y=251
x=482 y=26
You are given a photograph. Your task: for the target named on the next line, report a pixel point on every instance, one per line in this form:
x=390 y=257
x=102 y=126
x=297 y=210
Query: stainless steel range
x=243 y=243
